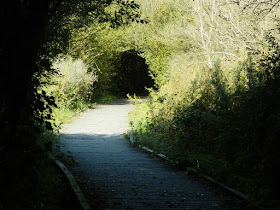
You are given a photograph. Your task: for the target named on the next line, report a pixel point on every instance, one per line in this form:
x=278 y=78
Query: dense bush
x=73 y=82
x=229 y=129
x=69 y=85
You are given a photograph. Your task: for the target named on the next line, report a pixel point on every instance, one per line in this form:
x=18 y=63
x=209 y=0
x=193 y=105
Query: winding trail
x=127 y=177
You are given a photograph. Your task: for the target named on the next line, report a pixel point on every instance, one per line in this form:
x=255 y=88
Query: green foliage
x=69 y=17
x=43 y=103
x=120 y=13
x=69 y=87
x=226 y=120
x=103 y=47
x=62 y=90
x=73 y=82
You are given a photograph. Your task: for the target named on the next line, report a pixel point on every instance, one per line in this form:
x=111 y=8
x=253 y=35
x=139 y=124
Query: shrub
x=225 y=118
x=73 y=83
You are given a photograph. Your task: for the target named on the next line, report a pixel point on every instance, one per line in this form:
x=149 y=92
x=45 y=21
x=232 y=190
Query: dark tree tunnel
x=133 y=74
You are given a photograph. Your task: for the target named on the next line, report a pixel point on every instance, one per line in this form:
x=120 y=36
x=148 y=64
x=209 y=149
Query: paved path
x=129 y=178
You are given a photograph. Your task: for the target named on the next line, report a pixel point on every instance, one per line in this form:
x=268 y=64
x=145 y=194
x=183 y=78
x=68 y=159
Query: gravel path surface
x=124 y=177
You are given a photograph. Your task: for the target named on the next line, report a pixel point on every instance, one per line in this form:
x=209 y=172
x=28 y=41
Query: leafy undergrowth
x=224 y=123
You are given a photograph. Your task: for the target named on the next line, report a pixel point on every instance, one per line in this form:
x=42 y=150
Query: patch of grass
x=64 y=114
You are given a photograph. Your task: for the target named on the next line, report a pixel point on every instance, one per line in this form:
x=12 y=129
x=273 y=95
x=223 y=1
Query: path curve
x=129 y=178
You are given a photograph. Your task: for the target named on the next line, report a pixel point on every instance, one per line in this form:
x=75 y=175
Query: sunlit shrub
x=73 y=83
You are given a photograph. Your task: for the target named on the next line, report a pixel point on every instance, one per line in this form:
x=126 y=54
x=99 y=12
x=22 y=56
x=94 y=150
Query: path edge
x=164 y=157
x=74 y=185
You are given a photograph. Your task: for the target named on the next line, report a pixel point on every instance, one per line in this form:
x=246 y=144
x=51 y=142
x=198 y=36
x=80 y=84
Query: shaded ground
x=115 y=176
